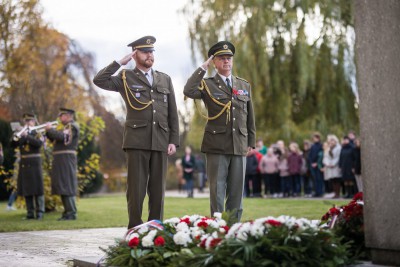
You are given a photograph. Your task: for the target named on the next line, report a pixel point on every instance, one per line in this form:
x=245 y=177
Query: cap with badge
x=222 y=48
x=66 y=111
x=144 y=44
x=28 y=116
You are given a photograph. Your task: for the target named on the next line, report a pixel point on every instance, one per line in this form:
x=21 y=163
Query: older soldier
x=151 y=128
x=64 y=181
x=230 y=131
x=30 y=176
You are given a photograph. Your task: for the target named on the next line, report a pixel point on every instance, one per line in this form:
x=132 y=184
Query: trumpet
x=39 y=129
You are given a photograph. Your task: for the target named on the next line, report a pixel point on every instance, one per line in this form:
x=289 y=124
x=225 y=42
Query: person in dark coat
x=64 y=181
x=251 y=172
x=188 y=165
x=316 y=173
x=295 y=162
x=30 y=175
x=346 y=161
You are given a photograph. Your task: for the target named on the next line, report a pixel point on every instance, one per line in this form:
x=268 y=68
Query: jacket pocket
x=215 y=129
x=134 y=124
x=164 y=126
x=243 y=131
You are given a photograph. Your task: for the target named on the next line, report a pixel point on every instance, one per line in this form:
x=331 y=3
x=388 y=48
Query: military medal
x=137 y=95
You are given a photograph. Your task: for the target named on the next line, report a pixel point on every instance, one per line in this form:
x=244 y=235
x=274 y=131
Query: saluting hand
x=127 y=58
x=207 y=63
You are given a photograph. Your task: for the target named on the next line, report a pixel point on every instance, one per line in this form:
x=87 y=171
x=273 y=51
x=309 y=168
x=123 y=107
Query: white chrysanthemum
x=221 y=223
x=196 y=231
x=217 y=215
x=147 y=241
x=213 y=224
x=143 y=230
x=194 y=218
x=182 y=227
x=172 y=221
x=257 y=229
x=182 y=238
x=233 y=230
x=131 y=235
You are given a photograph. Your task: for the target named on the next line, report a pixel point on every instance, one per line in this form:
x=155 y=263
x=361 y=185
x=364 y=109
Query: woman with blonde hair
x=332 y=172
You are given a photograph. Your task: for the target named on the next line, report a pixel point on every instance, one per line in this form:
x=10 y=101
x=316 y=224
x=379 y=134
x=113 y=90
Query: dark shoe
x=67 y=218
x=39 y=217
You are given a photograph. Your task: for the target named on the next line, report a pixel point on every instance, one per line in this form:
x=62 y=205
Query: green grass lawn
x=110 y=211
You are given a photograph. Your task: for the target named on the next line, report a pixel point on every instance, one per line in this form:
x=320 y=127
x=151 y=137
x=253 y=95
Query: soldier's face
x=223 y=63
x=144 y=58
x=65 y=118
x=30 y=123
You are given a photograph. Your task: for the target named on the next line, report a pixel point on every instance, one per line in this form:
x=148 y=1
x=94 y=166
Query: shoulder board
x=161 y=72
x=208 y=78
x=241 y=79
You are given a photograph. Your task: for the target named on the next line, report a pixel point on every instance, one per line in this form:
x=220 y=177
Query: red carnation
x=202 y=224
x=273 y=222
x=159 y=241
x=226 y=227
x=334 y=211
x=215 y=242
x=134 y=242
x=186 y=220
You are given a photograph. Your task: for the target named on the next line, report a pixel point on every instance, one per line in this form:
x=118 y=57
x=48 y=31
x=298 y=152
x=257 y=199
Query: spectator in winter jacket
x=295 y=162
x=269 y=168
x=316 y=173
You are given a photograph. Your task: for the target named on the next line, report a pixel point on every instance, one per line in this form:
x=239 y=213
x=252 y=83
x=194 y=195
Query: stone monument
x=377 y=27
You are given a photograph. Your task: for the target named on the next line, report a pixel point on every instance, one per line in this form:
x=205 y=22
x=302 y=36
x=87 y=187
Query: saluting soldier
x=151 y=128
x=30 y=175
x=64 y=181
x=230 y=131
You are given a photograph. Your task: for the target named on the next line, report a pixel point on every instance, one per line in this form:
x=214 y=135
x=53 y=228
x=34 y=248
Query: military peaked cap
x=28 y=116
x=145 y=43
x=222 y=48
x=66 y=111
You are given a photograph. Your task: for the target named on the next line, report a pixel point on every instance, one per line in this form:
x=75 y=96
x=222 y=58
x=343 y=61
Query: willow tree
x=297 y=55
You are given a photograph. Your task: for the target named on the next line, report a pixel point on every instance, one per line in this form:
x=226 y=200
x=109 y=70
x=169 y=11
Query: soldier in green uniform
x=30 y=176
x=151 y=128
x=230 y=130
x=64 y=181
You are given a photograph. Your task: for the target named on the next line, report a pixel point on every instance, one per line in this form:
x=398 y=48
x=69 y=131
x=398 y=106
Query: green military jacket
x=64 y=171
x=234 y=130
x=152 y=127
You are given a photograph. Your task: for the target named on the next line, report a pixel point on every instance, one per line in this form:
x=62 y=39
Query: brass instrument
x=39 y=129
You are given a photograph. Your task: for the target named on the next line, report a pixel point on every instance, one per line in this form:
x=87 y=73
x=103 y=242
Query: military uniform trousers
x=226 y=175
x=34 y=204
x=146 y=173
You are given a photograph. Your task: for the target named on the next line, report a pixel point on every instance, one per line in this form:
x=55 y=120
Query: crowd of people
x=329 y=168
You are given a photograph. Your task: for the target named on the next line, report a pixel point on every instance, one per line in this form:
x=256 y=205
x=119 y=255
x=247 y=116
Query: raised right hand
x=206 y=64
x=127 y=58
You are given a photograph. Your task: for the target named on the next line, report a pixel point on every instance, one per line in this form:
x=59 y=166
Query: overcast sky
x=106 y=27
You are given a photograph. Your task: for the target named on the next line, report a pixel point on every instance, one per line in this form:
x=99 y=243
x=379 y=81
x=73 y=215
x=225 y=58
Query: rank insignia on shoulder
x=242 y=79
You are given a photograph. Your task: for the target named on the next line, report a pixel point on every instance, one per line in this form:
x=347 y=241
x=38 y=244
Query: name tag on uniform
x=165 y=99
x=136 y=86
